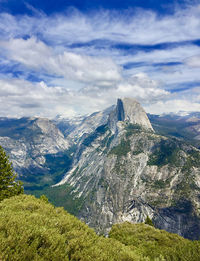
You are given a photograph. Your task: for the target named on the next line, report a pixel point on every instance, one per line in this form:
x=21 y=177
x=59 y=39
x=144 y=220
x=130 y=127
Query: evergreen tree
x=148 y=221
x=8 y=185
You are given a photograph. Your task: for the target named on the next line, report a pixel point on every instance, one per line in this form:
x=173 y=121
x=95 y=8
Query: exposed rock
x=131 y=111
x=88 y=125
x=28 y=140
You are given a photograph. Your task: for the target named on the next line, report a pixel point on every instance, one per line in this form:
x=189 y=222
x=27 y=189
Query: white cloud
x=22 y=98
x=36 y=55
x=91 y=76
x=172 y=106
x=186 y=69
x=187 y=100
x=141 y=27
x=29 y=52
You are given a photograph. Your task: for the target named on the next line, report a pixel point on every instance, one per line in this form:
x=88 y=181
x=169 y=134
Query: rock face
x=124 y=172
x=28 y=141
x=88 y=125
x=131 y=111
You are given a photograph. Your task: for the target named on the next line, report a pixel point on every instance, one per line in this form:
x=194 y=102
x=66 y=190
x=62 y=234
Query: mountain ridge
x=113 y=178
x=119 y=169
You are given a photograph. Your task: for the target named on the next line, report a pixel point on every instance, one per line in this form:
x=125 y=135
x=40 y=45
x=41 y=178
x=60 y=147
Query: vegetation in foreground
x=154 y=243
x=33 y=229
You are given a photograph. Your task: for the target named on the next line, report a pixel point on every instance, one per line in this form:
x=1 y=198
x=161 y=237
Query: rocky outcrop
x=129 y=110
x=88 y=125
x=28 y=140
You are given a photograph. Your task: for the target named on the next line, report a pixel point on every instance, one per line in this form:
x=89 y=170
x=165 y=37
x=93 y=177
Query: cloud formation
x=21 y=98
x=132 y=26
x=37 y=55
x=73 y=63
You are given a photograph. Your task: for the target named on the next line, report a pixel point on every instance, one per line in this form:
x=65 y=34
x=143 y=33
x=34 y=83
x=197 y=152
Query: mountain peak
x=130 y=110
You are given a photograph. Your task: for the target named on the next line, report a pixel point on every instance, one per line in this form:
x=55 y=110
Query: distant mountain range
x=185 y=127
x=113 y=166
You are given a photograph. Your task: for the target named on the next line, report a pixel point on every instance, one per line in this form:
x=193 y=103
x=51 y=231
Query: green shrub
x=44 y=198
x=31 y=229
x=156 y=243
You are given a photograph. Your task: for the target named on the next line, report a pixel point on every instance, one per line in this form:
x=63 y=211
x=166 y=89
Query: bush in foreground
x=32 y=229
x=156 y=243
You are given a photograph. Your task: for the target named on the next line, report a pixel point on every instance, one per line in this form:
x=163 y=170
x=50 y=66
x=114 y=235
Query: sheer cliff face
x=133 y=112
x=129 y=110
x=124 y=172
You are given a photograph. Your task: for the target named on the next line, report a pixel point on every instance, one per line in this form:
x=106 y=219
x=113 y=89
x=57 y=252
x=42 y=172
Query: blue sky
x=76 y=57
x=51 y=7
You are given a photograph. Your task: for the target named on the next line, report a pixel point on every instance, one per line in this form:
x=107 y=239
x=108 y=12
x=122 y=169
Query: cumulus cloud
x=187 y=100
x=22 y=98
x=29 y=52
x=36 y=55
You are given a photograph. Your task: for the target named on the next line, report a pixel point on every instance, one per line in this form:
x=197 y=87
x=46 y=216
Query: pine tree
x=8 y=185
x=148 y=221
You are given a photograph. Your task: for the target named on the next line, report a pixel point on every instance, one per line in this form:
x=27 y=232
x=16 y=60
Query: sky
x=74 y=57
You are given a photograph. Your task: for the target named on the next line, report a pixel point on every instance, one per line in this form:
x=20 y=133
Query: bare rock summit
x=129 y=110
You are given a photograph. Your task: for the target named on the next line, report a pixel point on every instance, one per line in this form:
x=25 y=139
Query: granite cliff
x=32 y=143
